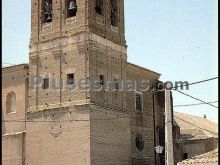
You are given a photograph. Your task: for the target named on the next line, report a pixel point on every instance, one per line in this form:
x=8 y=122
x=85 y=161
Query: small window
x=116 y=84
x=185 y=156
x=114 y=13
x=70 y=79
x=138 y=102
x=102 y=80
x=71 y=8
x=11 y=102
x=45 y=84
x=99 y=7
x=139 y=141
x=47 y=11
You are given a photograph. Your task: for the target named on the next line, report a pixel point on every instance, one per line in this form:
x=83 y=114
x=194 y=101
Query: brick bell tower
x=73 y=42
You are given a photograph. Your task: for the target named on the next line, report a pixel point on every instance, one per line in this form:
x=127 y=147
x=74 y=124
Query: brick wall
x=88 y=46
x=109 y=60
x=198 y=147
x=57 y=62
x=110 y=137
x=60 y=26
x=13 y=149
x=144 y=122
x=101 y=24
x=14 y=80
x=59 y=136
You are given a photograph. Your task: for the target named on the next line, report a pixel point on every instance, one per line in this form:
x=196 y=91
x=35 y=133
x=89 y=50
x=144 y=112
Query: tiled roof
x=194 y=128
x=209 y=157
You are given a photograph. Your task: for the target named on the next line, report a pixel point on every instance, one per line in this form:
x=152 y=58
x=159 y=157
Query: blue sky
x=176 y=38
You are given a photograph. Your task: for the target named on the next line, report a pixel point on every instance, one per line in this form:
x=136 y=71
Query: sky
x=176 y=38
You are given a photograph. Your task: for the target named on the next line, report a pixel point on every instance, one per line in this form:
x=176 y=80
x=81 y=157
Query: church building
x=79 y=101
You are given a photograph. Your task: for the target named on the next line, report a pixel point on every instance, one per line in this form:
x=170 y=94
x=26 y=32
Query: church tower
x=76 y=40
x=75 y=43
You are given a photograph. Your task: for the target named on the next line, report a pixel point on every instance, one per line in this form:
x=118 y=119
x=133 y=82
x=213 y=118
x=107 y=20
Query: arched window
x=11 y=103
x=139 y=141
x=47 y=11
x=71 y=8
x=99 y=7
x=114 y=13
x=139 y=102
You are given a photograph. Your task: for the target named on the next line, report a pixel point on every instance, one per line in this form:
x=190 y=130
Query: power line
x=196 y=98
x=197 y=82
x=185 y=105
x=196 y=126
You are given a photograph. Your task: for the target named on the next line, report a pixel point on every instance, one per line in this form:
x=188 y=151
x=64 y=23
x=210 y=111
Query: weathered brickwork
x=13 y=147
x=101 y=24
x=110 y=137
x=59 y=136
x=198 y=147
x=15 y=80
x=56 y=64
x=86 y=127
x=143 y=122
x=60 y=26
x=110 y=61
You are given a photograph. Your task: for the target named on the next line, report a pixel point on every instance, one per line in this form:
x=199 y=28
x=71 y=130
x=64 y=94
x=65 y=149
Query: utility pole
x=168 y=130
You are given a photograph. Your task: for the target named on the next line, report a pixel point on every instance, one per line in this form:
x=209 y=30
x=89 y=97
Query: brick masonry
x=15 y=79
x=86 y=127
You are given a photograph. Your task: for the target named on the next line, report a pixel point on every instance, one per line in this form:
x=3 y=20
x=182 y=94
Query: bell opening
x=49 y=18
x=47 y=8
x=72 y=8
x=99 y=7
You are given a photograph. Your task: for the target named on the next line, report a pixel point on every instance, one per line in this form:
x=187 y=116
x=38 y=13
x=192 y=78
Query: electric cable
x=185 y=105
x=196 y=98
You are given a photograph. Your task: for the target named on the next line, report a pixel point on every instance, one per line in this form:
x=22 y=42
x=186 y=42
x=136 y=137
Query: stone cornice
x=14 y=133
x=76 y=39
